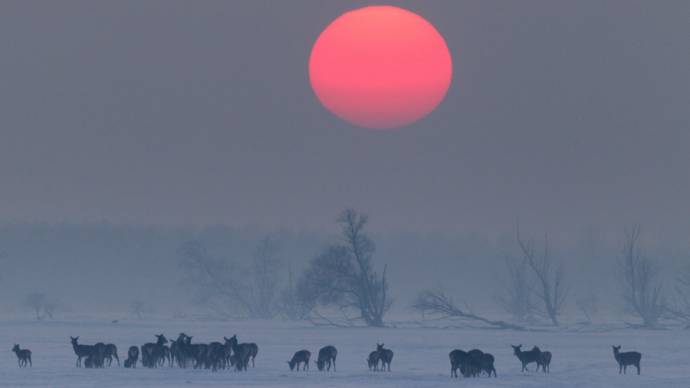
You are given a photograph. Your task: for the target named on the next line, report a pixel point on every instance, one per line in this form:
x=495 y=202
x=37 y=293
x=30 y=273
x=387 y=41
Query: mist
x=166 y=168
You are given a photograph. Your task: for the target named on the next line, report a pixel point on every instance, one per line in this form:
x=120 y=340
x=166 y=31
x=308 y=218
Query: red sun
x=380 y=67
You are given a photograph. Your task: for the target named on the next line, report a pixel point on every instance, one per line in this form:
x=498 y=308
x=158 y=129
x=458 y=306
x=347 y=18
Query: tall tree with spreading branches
x=343 y=275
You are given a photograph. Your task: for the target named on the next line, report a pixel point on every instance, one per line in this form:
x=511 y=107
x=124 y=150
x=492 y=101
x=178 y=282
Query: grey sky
x=561 y=113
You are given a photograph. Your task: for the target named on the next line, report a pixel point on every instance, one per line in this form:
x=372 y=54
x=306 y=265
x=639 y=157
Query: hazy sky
x=169 y=112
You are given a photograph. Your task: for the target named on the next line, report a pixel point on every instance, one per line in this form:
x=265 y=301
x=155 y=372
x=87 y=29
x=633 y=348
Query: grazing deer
x=459 y=359
x=327 y=355
x=487 y=364
x=301 y=356
x=474 y=368
x=528 y=357
x=626 y=358
x=373 y=361
x=110 y=352
x=98 y=355
x=132 y=357
x=82 y=351
x=386 y=356
x=23 y=356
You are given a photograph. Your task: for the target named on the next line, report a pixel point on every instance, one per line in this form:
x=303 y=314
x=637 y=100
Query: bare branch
x=437 y=303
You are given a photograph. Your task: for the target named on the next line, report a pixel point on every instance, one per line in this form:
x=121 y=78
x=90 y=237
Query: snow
x=580 y=359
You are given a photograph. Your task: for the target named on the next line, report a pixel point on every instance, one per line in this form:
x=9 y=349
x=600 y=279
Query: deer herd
x=230 y=353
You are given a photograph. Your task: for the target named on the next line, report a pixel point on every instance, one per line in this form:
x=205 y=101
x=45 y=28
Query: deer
x=132 y=357
x=152 y=352
x=474 y=368
x=626 y=358
x=89 y=362
x=544 y=361
x=300 y=356
x=215 y=355
x=487 y=364
x=327 y=355
x=82 y=351
x=110 y=352
x=528 y=357
x=373 y=361
x=23 y=356
x=242 y=351
x=386 y=356
x=165 y=356
x=179 y=350
x=98 y=355
x=459 y=359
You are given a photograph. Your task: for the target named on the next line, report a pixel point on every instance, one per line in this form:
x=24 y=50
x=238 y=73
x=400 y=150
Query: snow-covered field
x=421 y=355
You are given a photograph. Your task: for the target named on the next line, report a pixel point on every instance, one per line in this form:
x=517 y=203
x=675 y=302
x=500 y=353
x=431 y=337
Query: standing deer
x=528 y=357
x=152 y=352
x=386 y=356
x=544 y=362
x=459 y=359
x=82 y=351
x=23 y=356
x=373 y=361
x=626 y=358
x=242 y=351
x=327 y=355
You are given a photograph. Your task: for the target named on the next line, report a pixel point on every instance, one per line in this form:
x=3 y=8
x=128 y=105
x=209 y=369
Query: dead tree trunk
x=437 y=303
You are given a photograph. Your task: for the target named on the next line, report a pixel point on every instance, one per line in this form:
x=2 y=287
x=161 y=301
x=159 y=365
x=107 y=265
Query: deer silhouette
x=626 y=358
x=23 y=356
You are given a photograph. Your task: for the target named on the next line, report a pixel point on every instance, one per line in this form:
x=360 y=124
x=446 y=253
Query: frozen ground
x=421 y=355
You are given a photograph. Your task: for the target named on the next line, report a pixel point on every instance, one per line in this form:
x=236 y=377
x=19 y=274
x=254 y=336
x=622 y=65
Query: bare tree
x=642 y=291
x=138 y=307
x=437 y=303
x=291 y=306
x=230 y=287
x=550 y=275
x=680 y=310
x=343 y=276
x=41 y=305
x=517 y=297
x=265 y=279
x=588 y=305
